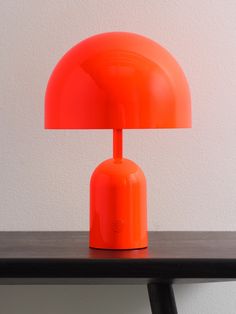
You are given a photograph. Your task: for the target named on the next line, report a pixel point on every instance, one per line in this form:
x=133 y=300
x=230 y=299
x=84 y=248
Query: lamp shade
x=117 y=80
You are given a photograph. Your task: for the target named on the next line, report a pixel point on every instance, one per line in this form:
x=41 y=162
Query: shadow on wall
x=217 y=298
x=130 y=299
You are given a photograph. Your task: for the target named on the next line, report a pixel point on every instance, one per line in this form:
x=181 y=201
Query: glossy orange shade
x=117 y=80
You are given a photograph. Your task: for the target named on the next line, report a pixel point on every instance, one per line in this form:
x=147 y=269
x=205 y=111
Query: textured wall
x=191 y=174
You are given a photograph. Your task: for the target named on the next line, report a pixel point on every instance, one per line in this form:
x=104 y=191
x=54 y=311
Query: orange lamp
x=117 y=81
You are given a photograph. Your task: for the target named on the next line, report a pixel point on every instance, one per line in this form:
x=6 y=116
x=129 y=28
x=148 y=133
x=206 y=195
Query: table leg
x=162 y=298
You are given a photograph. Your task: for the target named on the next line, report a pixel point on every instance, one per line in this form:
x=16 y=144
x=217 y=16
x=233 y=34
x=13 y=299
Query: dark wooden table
x=172 y=257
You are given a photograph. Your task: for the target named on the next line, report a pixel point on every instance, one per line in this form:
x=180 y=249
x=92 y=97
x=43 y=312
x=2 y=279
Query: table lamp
x=117 y=81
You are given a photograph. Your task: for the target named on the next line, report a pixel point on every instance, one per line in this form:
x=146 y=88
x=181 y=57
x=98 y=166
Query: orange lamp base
x=118 y=206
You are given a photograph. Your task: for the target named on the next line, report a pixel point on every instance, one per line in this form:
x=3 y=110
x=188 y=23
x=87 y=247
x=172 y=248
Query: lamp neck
x=117 y=144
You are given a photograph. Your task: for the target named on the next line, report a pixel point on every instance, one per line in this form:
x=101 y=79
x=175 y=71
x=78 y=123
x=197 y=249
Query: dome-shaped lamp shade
x=115 y=81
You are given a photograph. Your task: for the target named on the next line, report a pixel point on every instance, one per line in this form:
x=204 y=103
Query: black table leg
x=162 y=298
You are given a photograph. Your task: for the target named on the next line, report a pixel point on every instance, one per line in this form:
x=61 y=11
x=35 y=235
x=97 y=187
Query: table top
x=64 y=257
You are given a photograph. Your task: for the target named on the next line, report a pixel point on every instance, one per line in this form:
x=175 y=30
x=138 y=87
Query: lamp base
x=118 y=206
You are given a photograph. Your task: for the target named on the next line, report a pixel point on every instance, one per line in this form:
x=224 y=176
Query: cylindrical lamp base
x=118 y=206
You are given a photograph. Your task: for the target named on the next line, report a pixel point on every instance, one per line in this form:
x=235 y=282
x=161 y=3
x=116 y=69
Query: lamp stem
x=117 y=144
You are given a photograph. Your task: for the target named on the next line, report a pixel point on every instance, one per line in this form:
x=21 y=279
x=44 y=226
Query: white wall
x=191 y=174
